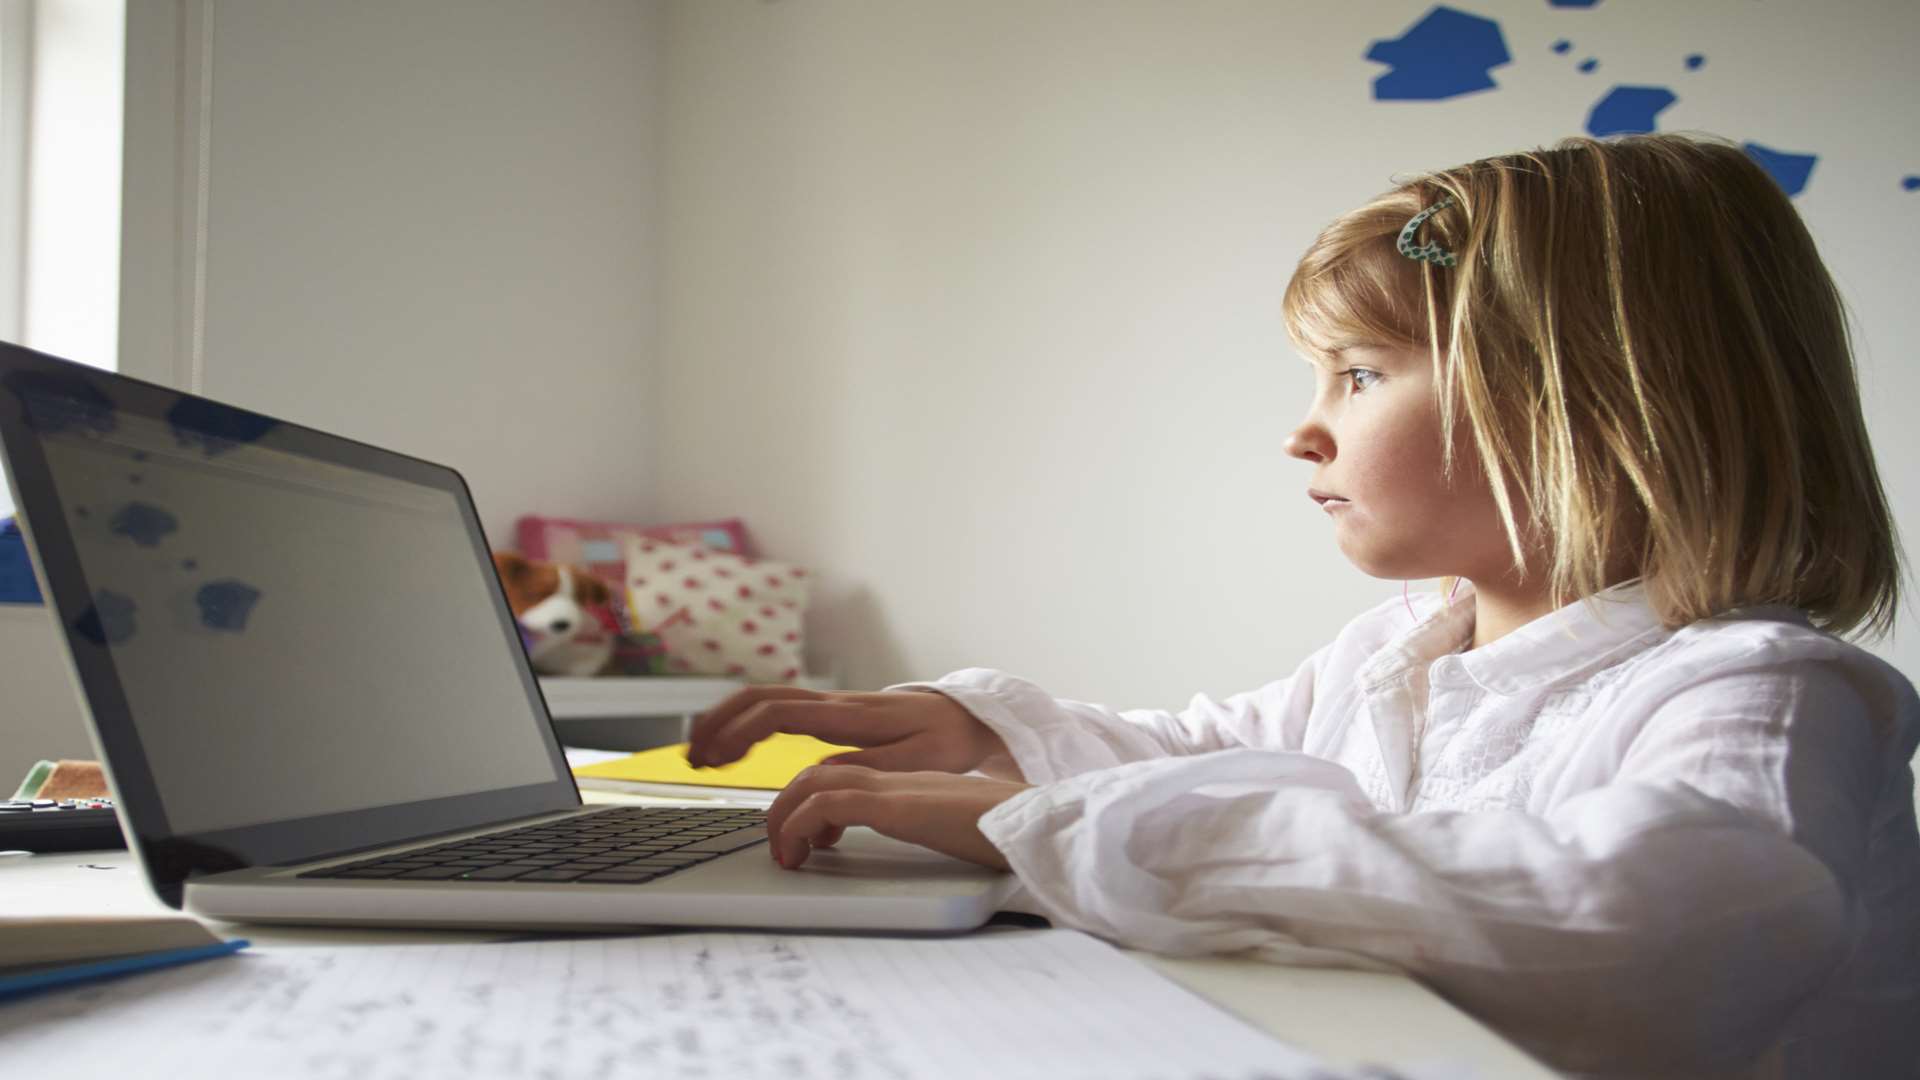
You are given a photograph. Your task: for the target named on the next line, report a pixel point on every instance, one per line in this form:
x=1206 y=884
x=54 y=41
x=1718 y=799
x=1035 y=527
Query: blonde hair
x=1653 y=366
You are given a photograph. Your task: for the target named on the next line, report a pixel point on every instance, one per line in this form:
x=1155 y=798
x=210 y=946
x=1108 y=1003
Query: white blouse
x=1636 y=851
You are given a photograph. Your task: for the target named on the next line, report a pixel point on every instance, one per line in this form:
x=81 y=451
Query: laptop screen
x=298 y=627
x=293 y=637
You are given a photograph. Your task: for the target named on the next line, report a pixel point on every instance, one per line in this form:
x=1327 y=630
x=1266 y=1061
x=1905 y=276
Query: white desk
x=1347 y=1017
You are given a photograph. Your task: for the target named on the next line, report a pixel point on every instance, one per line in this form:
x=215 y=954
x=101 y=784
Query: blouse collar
x=1574 y=641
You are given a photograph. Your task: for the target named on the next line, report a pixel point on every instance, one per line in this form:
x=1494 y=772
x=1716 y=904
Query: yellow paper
x=767 y=767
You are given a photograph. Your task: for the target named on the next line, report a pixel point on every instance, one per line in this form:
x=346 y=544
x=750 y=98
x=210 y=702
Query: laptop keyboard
x=621 y=846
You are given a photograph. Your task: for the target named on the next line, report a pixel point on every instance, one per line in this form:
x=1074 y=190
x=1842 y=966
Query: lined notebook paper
x=1049 y=1003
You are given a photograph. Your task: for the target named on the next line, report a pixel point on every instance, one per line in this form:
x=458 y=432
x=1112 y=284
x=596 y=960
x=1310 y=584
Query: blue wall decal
x=1446 y=54
x=108 y=620
x=1449 y=52
x=16 y=567
x=1790 y=171
x=1628 y=110
x=143 y=523
x=225 y=605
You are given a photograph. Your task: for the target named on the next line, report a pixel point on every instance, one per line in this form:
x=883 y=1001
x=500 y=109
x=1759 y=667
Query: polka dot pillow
x=718 y=613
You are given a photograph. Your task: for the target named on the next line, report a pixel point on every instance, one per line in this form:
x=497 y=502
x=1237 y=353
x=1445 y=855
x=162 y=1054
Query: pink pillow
x=716 y=612
x=599 y=546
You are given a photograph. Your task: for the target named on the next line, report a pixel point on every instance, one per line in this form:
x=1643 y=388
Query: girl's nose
x=1309 y=442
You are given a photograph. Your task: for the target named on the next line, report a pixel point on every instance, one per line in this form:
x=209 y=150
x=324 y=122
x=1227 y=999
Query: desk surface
x=1347 y=1017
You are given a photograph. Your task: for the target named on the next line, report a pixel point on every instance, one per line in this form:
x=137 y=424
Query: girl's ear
x=588 y=588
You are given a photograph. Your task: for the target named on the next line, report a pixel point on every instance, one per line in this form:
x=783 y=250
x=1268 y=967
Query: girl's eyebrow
x=1380 y=356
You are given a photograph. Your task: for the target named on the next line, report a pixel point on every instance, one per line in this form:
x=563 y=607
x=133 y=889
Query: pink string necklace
x=1407 y=598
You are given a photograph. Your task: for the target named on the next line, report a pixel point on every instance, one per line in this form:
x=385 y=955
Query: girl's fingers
x=934 y=810
x=815 y=816
x=740 y=701
x=832 y=721
x=811 y=781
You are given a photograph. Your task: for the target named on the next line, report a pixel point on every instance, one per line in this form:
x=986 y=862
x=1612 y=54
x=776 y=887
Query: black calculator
x=59 y=825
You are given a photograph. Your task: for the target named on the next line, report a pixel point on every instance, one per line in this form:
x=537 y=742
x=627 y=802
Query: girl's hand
x=935 y=810
x=899 y=731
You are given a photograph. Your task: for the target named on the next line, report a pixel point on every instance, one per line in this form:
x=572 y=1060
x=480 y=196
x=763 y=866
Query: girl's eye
x=1358 y=379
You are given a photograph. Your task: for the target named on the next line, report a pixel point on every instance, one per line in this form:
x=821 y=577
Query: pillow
x=716 y=612
x=599 y=546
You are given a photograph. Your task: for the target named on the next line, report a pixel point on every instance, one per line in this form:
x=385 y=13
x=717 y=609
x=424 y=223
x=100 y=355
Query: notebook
x=663 y=770
x=723 y=1005
x=42 y=952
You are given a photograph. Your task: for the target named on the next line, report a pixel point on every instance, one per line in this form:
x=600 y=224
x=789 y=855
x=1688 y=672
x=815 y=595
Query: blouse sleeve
x=1644 y=919
x=1053 y=738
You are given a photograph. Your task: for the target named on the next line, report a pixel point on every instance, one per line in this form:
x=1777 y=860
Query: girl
x=1619 y=790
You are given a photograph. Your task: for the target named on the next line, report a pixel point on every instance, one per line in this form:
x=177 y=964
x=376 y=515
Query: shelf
x=653 y=695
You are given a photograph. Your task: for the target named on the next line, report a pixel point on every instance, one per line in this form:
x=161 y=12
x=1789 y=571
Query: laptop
x=313 y=704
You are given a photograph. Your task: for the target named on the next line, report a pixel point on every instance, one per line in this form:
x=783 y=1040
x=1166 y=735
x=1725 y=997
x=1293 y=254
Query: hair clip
x=1428 y=252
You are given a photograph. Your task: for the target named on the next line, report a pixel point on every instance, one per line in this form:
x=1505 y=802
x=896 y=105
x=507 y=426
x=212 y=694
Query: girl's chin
x=1388 y=566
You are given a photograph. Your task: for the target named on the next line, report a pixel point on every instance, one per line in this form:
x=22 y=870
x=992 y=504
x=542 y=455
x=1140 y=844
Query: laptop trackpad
x=865 y=852
x=863 y=862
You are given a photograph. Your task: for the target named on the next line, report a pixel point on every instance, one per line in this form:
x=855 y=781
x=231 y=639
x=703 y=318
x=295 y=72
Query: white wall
x=70 y=290
x=975 y=306
x=430 y=226
x=427 y=225
x=72 y=265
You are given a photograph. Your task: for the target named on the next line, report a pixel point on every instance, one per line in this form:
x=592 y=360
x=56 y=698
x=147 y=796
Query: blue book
x=44 y=953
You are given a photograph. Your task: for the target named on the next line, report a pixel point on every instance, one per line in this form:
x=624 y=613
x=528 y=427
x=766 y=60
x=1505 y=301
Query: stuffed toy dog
x=562 y=612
